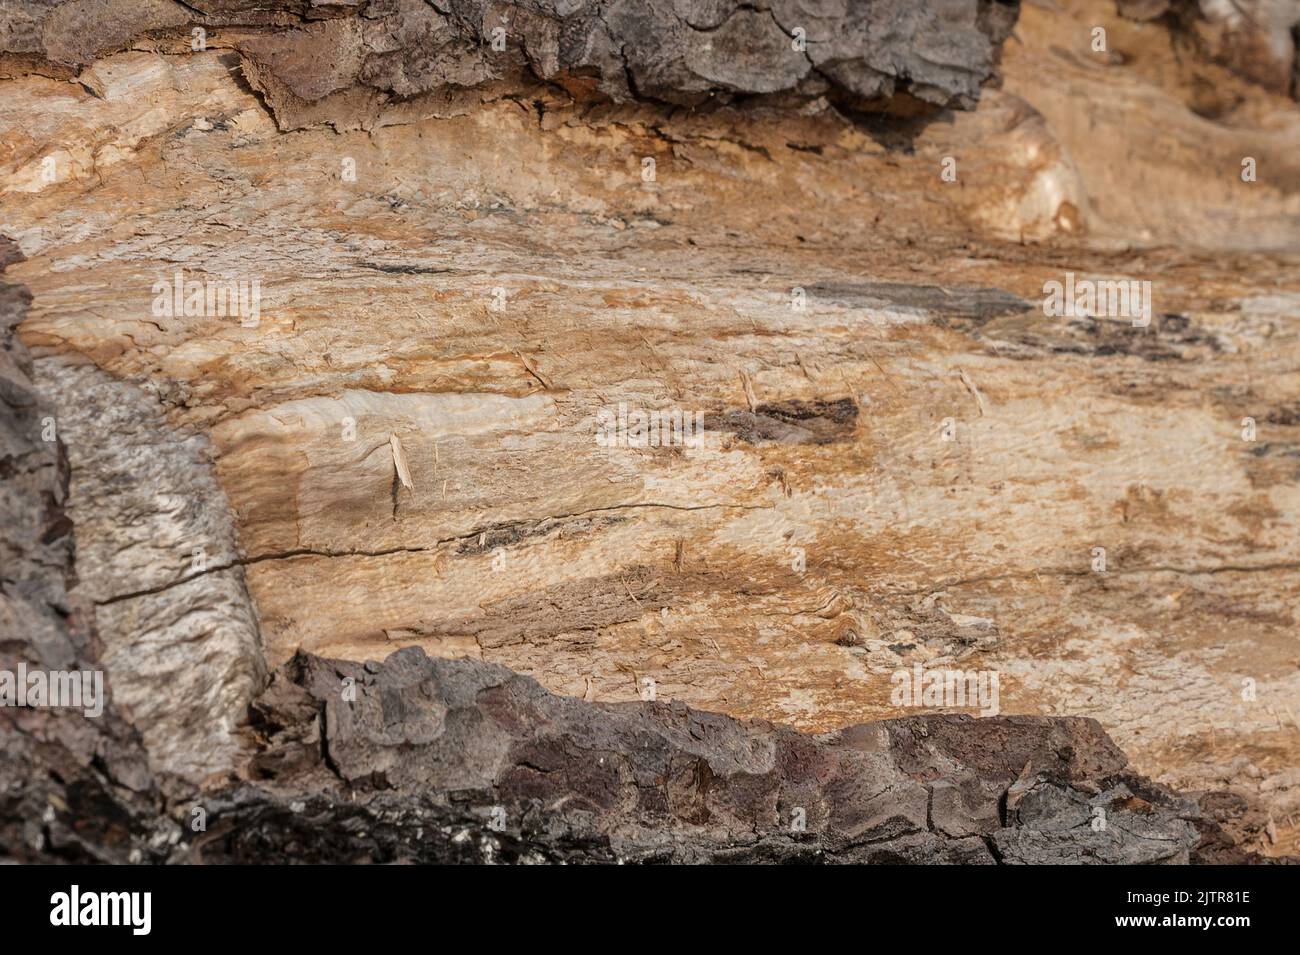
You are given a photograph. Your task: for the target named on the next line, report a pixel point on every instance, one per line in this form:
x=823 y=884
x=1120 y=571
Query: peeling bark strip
x=427 y=760
x=341 y=65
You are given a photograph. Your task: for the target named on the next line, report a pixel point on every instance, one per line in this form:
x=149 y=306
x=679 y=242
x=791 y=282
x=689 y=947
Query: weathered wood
x=903 y=460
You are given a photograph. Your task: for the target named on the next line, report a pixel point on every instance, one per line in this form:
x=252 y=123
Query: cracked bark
x=437 y=761
x=402 y=53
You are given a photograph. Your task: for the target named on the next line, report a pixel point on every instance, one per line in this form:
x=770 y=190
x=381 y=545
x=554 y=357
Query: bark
x=71 y=787
x=341 y=64
x=453 y=760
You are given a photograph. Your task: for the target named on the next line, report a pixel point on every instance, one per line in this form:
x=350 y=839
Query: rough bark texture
x=342 y=63
x=454 y=760
x=70 y=787
x=469 y=258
